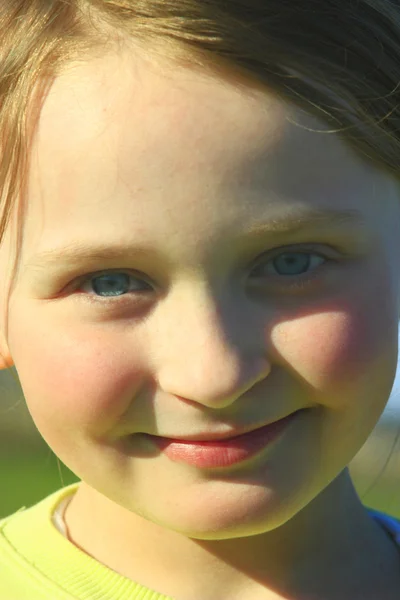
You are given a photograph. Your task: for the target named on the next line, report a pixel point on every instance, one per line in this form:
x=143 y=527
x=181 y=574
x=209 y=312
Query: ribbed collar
x=32 y=537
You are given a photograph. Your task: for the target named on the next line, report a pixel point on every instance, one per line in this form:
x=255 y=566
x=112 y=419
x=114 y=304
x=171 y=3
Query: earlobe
x=6 y=361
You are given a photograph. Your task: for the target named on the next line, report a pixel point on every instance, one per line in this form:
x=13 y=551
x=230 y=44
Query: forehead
x=125 y=144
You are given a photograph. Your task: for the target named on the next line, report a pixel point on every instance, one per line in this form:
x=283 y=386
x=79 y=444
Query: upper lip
x=227 y=435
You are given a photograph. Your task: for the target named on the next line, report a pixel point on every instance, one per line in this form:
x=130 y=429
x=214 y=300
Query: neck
x=327 y=549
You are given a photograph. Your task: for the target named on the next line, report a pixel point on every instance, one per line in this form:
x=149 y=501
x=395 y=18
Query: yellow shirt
x=37 y=562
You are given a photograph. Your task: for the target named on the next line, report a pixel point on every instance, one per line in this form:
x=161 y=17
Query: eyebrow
x=302 y=220
x=293 y=223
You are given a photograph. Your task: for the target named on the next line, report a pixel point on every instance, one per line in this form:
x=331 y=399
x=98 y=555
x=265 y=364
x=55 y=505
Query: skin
x=133 y=152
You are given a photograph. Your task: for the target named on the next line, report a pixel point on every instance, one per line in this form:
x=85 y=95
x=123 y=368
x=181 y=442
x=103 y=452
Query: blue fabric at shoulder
x=391 y=524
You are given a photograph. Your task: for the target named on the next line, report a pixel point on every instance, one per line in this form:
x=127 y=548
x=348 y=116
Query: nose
x=209 y=352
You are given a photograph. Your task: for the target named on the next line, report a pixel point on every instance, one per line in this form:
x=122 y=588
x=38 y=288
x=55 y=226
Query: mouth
x=211 y=451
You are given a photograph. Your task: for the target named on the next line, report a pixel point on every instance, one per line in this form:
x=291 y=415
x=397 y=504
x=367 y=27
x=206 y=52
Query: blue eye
x=291 y=264
x=114 y=284
x=291 y=268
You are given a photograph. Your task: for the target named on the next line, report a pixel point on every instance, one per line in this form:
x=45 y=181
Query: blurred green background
x=30 y=470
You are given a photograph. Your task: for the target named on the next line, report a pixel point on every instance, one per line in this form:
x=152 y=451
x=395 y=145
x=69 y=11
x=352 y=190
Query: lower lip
x=223 y=453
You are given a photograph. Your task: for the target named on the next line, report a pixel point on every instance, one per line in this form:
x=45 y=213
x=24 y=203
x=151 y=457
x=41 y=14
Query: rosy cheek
x=323 y=348
x=339 y=344
x=82 y=381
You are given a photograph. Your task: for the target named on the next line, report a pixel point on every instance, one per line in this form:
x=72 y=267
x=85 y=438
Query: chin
x=229 y=518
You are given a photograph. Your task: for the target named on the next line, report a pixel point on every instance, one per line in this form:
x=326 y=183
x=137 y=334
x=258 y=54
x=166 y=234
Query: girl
x=201 y=292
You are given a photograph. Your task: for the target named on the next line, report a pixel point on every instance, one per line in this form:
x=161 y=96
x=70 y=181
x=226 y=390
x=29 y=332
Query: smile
x=226 y=452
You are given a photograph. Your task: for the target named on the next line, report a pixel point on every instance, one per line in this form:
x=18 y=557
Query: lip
x=219 y=451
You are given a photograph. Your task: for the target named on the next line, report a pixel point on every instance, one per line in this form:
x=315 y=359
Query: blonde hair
x=337 y=59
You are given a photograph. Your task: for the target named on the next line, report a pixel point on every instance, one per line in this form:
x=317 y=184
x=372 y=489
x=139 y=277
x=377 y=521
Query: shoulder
x=391 y=524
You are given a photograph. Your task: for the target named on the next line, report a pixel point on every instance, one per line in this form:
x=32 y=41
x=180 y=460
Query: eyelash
x=291 y=283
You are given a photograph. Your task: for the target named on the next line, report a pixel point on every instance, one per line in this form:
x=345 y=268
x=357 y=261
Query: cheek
x=85 y=380
x=343 y=343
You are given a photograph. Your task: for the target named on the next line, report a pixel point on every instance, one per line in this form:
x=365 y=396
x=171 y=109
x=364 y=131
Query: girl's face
x=180 y=193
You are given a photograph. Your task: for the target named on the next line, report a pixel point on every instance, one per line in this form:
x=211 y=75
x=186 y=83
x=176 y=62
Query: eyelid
x=327 y=252
x=267 y=255
x=134 y=274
